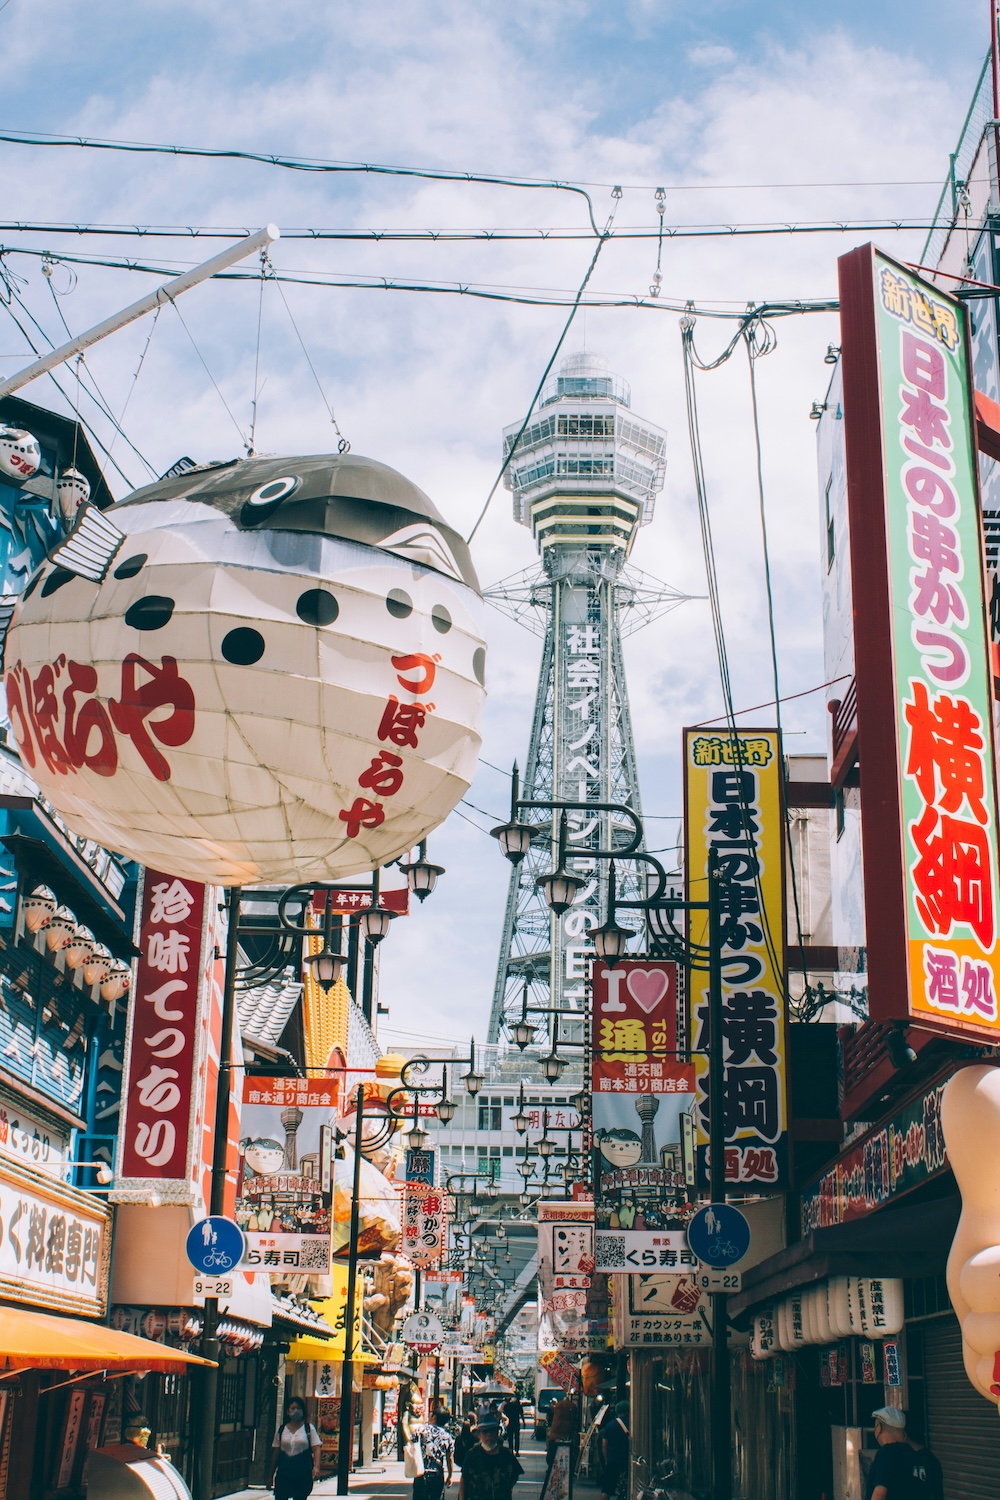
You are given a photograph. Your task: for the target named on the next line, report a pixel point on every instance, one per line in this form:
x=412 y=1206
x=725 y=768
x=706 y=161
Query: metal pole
x=210 y=1347
x=165 y=293
x=347 y=1381
x=721 y=1412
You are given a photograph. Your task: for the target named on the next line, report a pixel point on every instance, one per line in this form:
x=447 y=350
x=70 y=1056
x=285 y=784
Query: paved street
x=384 y=1480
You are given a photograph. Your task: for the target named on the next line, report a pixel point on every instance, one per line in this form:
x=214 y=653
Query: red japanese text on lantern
x=400 y=725
x=60 y=720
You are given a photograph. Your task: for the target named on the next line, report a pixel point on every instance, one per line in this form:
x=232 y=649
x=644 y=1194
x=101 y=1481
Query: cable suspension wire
x=561 y=298
x=499 y=234
x=256 y=360
x=538 y=389
x=204 y=365
x=312 y=164
x=691 y=363
x=301 y=164
x=761 y=340
x=343 y=446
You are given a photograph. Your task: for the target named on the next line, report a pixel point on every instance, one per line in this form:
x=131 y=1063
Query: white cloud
x=426 y=383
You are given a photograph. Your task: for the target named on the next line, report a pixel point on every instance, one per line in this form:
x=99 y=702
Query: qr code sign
x=610 y=1251
x=315 y=1254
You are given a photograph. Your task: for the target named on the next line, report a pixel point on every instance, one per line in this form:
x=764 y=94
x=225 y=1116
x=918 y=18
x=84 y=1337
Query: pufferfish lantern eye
x=266 y=498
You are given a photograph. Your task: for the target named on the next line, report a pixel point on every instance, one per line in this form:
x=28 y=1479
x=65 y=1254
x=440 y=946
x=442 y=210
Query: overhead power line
x=322 y=164
x=515 y=234
x=525 y=296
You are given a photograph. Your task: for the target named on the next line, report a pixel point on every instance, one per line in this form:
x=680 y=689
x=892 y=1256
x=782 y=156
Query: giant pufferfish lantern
x=269 y=670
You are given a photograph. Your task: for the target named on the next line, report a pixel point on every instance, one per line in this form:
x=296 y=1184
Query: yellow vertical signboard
x=733 y=804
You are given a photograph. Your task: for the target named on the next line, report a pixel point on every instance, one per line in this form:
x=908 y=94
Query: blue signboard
x=719 y=1235
x=215 y=1245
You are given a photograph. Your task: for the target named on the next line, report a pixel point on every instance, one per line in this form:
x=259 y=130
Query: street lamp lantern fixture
x=375 y=923
x=553 y=1065
x=525 y=1199
x=421 y=875
x=417 y=1138
x=514 y=837
x=526 y=1168
x=522 y=1032
x=543 y=1145
x=473 y=1081
x=611 y=939
x=520 y=1121
x=326 y=966
x=560 y=886
x=446 y=1110
x=491 y=1188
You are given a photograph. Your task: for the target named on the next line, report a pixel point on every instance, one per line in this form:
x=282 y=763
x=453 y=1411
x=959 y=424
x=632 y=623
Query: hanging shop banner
x=884 y=1163
x=559 y=1370
x=164 y=1041
x=573 y=1299
x=733 y=805
x=285 y=1183
x=924 y=692
x=640 y=1091
x=425 y=1224
x=55 y=1243
x=657 y=1310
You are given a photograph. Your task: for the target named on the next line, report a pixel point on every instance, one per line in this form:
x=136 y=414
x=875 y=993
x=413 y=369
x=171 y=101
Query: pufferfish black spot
x=243 y=646
x=55 y=580
x=151 y=613
x=132 y=565
x=317 y=607
x=479 y=665
x=399 y=604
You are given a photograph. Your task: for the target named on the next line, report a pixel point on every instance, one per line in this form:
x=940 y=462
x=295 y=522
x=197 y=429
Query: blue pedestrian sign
x=719 y=1235
x=215 y=1245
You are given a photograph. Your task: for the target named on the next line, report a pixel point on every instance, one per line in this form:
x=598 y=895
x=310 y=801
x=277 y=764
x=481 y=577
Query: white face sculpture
x=273 y=672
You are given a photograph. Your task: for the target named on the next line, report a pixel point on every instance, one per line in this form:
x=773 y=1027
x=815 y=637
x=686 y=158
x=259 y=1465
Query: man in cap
x=489 y=1471
x=897 y=1473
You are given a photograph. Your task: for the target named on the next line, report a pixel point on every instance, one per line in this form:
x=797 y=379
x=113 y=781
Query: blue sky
x=722 y=95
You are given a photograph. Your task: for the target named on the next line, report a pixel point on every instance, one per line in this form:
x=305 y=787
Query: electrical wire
x=567 y=298
x=497 y=234
x=204 y=364
x=320 y=164
x=256 y=359
x=343 y=446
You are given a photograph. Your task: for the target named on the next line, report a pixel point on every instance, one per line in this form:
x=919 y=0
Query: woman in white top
x=295 y=1461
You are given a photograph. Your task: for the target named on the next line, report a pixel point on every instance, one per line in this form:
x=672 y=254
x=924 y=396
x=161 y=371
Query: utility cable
x=302 y=164
x=204 y=364
x=343 y=446
x=538 y=389
x=760 y=340
x=256 y=359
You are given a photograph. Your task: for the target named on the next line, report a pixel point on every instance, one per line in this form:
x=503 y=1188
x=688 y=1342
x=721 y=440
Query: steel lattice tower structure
x=584 y=477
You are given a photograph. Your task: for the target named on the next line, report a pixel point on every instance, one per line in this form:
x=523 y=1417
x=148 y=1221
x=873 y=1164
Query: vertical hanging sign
x=733 y=805
x=162 y=1045
x=925 y=709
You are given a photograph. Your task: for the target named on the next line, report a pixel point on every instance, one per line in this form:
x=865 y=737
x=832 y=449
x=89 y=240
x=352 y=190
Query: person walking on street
x=614 y=1439
x=515 y=1420
x=562 y=1431
x=295 y=1454
x=894 y=1472
x=438 y=1449
x=489 y=1471
x=927 y=1469
x=466 y=1438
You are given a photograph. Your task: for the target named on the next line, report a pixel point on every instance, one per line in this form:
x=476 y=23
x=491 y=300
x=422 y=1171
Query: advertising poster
x=733 y=805
x=640 y=1091
x=425 y=1224
x=285 y=1184
x=573 y=1298
x=924 y=687
x=660 y=1310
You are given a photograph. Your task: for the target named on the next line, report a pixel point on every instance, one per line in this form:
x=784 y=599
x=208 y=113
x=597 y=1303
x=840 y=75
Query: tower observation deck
x=584 y=477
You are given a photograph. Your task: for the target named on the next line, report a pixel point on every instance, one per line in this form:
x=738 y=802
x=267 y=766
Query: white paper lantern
x=20 y=455
x=72 y=491
x=838 y=1306
x=810 y=1314
x=265 y=671
x=782 y=1324
x=764 y=1334
x=821 y=1314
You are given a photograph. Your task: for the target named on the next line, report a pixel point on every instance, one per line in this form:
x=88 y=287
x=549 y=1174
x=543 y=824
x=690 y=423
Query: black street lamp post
x=560 y=887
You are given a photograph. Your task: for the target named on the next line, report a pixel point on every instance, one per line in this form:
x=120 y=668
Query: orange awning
x=40 y=1341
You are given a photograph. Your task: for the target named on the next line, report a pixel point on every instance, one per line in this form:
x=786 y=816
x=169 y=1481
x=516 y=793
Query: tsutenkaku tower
x=584 y=477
